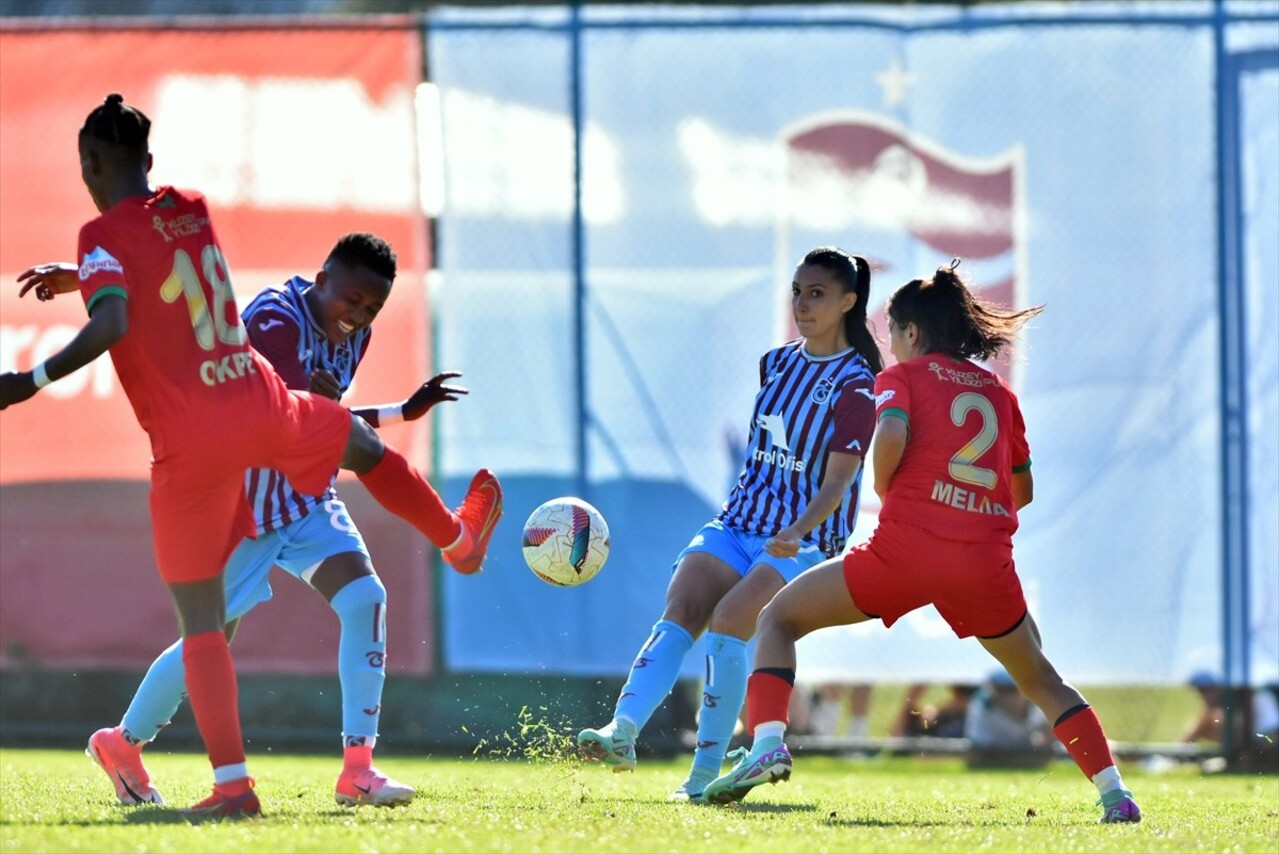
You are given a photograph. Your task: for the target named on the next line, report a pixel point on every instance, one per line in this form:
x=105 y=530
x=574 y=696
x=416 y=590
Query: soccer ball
x=565 y=542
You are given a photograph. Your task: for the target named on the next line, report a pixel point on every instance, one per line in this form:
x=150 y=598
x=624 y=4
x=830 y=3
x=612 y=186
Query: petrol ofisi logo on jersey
x=906 y=203
x=778 y=453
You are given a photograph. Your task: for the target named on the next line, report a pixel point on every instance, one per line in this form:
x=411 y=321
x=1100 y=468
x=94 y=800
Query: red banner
x=297 y=136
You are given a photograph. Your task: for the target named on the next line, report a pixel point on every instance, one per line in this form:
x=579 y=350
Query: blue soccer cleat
x=760 y=765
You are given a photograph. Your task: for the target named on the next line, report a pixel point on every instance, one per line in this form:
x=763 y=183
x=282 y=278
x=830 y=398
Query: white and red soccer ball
x=565 y=542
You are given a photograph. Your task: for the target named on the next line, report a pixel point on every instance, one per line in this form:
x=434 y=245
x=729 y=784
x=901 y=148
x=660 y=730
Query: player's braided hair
x=117 y=123
x=853 y=274
x=951 y=320
x=361 y=249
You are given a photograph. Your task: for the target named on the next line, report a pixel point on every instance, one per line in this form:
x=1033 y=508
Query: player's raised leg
x=1074 y=722
x=463 y=535
x=816 y=599
x=700 y=581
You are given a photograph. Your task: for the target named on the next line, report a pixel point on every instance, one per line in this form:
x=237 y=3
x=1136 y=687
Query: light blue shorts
x=742 y=551
x=297 y=548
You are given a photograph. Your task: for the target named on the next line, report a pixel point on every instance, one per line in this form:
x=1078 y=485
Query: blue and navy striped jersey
x=280 y=313
x=806 y=408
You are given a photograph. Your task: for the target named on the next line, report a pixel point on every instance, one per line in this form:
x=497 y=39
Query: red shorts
x=974 y=586
x=199 y=512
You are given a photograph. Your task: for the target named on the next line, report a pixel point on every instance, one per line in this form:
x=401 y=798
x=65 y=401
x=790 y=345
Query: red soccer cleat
x=223 y=806
x=478 y=514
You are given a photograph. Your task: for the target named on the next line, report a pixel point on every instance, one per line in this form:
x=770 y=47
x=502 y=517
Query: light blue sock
x=162 y=690
x=722 y=698
x=361 y=606
x=653 y=673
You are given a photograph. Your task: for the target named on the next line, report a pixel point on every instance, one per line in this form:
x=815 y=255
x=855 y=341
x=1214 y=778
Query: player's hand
x=49 y=280
x=16 y=387
x=785 y=544
x=433 y=391
x=323 y=382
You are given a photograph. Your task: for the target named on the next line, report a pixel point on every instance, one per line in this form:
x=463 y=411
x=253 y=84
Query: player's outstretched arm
x=49 y=280
x=417 y=404
x=107 y=324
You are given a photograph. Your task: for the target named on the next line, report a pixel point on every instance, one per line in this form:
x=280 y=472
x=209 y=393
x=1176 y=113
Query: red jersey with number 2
x=185 y=362
x=967 y=437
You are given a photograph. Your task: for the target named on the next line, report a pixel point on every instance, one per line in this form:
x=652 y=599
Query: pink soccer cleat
x=122 y=762
x=359 y=786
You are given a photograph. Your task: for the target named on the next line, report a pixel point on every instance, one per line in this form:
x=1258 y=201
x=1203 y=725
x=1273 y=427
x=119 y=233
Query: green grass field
x=59 y=801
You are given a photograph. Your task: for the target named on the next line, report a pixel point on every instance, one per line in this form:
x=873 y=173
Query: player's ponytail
x=853 y=274
x=119 y=124
x=951 y=320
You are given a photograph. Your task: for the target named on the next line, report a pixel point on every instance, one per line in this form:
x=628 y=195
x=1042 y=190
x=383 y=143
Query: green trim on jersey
x=109 y=290
x=896 y=412
x=1021 y=468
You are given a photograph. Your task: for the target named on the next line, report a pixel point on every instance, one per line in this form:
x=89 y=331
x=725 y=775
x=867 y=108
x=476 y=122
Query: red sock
x=1085 y=741
x=400 y=488
x=767 y=699
x=210 y=677
x=357 y=757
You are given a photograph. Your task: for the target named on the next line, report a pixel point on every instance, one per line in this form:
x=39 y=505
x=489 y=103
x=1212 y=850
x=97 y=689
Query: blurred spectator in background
x=1261 y=750
x=1004 y=728
x=837 y=708
x=935 y=721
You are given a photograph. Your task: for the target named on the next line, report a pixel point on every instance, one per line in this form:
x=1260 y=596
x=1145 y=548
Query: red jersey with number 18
x=966 y=439
x=185 y=362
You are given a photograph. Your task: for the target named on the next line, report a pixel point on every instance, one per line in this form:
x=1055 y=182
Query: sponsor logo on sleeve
x=884 y=396
x=99 y=261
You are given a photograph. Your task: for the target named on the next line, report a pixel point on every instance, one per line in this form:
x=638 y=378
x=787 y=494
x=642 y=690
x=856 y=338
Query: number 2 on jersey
x=186 y=281
x=962 y=466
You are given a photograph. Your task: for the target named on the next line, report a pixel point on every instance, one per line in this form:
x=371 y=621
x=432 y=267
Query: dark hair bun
x=114 y=98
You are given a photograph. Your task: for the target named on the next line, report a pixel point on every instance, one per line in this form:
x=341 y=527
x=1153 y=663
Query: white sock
x=770 y=729
x=1108 y=780
x=229 y=773
x=858 y=726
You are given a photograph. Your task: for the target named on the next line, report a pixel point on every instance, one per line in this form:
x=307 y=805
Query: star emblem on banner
x=894 y=81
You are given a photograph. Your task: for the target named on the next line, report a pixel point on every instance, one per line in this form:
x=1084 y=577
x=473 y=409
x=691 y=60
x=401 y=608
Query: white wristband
x=392 y=413
x=40 y=375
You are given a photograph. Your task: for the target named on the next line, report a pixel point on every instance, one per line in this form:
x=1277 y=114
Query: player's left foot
x=1118 y=807
x=478 y=513
x=750 y=769
x=614 y=745
x=223 y=805
x=123 y=763
x=371 y=786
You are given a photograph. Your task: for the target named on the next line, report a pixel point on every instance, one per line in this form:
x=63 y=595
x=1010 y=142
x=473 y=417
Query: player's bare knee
x=364 y=449
x=778 y=618
x=727 y=621
x=692 y=616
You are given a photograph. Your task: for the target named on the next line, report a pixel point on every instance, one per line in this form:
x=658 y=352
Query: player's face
x=346 y=299
x=902 y=340
x=91 y=169
x=818 y=303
